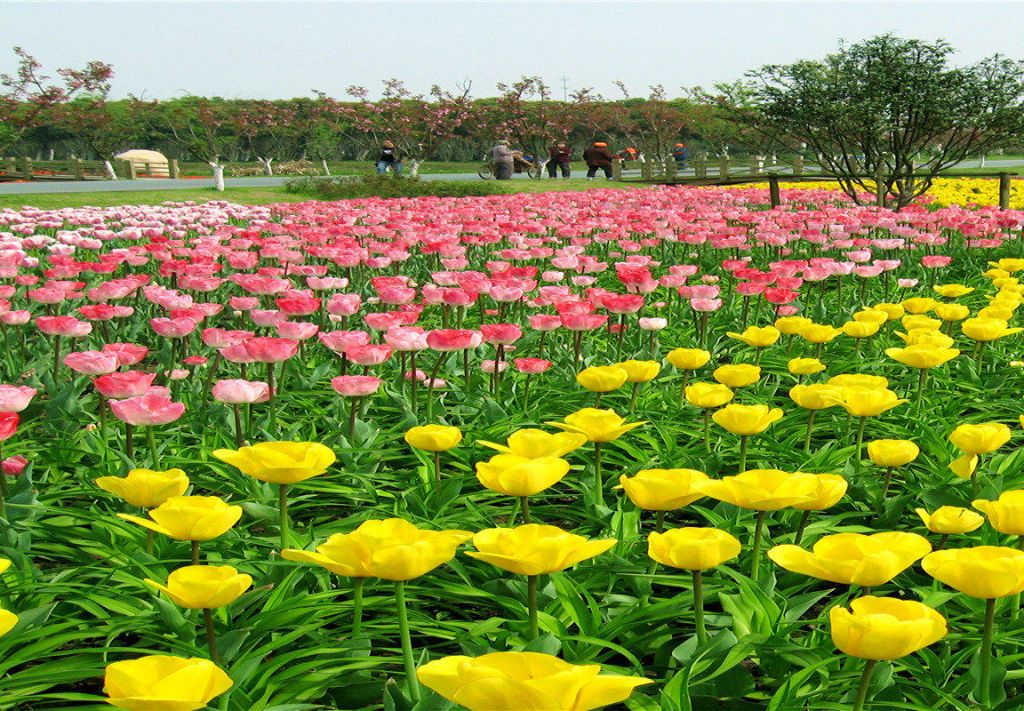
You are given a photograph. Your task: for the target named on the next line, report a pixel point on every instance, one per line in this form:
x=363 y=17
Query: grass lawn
x=246 y=196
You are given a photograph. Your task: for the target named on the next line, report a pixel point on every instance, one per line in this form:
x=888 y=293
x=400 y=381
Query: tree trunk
x=327 y=171
x=414 y=170
x=218 y=175
x=110 y=170
x=266 y=165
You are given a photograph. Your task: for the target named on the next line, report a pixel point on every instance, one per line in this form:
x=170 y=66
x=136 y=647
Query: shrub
x=347 y=187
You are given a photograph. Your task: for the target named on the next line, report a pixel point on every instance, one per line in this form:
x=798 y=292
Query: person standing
x=502 y=159
x=598 y=156
x=389 y=159
x=559 y=157
x=681 y=154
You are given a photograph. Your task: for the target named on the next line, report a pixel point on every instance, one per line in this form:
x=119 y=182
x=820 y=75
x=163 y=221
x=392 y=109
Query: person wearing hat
x=680 y=154
x=503 y=160
x=598 y=156
x=389 y=159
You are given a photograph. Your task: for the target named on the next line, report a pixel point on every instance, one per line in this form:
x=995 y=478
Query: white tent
x=152 y=163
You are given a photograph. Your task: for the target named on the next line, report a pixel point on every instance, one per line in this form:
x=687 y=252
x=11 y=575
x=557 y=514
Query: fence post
x=1004 y=191
x=616 y=170
x=700 y=166
x=174 y=172
x=130 y=172
x=723 y=168
x=26 y=168
x=646 y=170
x=798 y=166
x=76 y=169
x=773 y=189
x=755 y=165
x=671 y=168
x=879 y=187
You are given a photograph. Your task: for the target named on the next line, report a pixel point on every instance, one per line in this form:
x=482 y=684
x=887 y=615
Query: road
x=104 y=186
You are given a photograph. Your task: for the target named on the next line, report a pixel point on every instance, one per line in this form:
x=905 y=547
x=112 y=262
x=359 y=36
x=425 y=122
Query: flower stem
x=743 y=453
x=755 y=557
x=195 y=552
x=804 y=517
x=152 y=448
x=525 y=500
x=531 y=604
x=707 y=430
x=860 y=441
x=598 y=478
x=352 y=410
x=403 y=631
x=239 y=436
x=698 y=607
x=211 y=637
x=810 y=429
x=437 y=469
x=282 y=506
x=659 y=521
x=357 y=605
x=986 y=653
x=865 y=682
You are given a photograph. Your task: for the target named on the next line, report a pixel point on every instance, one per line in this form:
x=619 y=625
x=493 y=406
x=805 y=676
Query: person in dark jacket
x=559 y=157
x=681 y=154
x=389 y=159
x=598 y=156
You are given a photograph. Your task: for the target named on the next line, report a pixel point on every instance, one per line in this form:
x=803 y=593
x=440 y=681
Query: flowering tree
x=323 y=125
x=95 y=124
x=265 y=129
x=418 y=125
x=28 y=97
x=653 y=124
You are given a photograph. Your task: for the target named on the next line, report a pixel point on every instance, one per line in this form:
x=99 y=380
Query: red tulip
x=447 y=340
x=8 y=425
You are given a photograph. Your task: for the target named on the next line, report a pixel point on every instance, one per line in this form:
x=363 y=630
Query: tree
x=266 y=129
x=95 y=124
x=28 y=96
x=323 y=125
x=418 y=125
x=890 y=111
x=201 y=127
x=652 y=125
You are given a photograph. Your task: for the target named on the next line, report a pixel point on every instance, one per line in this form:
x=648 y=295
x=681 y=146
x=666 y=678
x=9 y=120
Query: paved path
x=105 y=186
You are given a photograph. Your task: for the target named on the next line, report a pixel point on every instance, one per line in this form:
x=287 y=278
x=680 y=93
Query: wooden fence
x=77 y=169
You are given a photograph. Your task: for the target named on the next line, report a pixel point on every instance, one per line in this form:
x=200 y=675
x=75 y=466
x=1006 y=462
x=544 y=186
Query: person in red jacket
x=598 y=156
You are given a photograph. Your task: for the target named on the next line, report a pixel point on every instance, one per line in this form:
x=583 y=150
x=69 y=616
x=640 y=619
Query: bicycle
x=532 y=170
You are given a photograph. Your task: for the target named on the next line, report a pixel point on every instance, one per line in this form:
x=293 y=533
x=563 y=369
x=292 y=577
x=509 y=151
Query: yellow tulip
x=805 y=366
x=980 y=439
x=640 y=371
x=391 y=549
x=926 y=337
x=921 y=322
x=891 y=453
x=737 y=375
x=986 y=572
x=4 y=565
x=709 y=395
x=1001 y=313
x=146 y=488
x=537 y=444
x=534 y=549
x=949 y=520
x=952 y=312
x=952 y=291
x=433 y=438
x=819 y=333
x=868 y=402
x=602 y=378
x=746 y=419
x=854 y=558
x=663 y=489
x=1006 y=514
x=692 y=548
x=885 y=628
x=762 y=489
x=815 y=397
x=964 y=466
x=831 y=488
x=985 y=329
x=872 y=315
x=1009 y=264
x=858 y=380
x=757 y=336
x=513 y=475
x=190 y=518
x=792 y=325
x=8 y=620
x=164 y=683
x=922 y=356
x=517 y=681
x=893 y=311
x=279 y=462
x=688 y=358
x=919 y=304
x=597 y=425
x=204 y=586
x=860 y=329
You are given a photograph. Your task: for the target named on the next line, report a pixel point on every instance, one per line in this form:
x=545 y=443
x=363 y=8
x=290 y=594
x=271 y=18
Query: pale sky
x=281 y=50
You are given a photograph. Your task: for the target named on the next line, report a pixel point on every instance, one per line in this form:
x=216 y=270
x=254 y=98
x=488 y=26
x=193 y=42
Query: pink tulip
x=270 y=350
x=501 y=333
x=406 y=338
x=369 y=354
x=531 y=366
x=92 y=362
x=127 y=384
x=652 y=323
x=147 y=410
x=15 y=398
x=448 y=340
x=298 y=330
x=241 y=392
x=66 y=326
x=355 y=385
x=173 y=327
x=14 y=466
